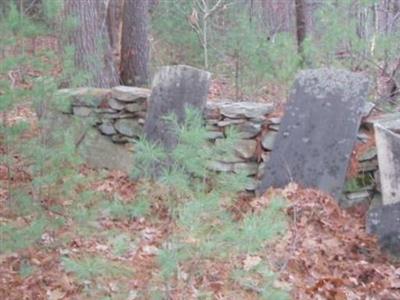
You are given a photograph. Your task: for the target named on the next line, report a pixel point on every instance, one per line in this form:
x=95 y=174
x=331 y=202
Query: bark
x=114 y=22
x=276 y=16
x=153 y=5
x=300 y=25
x=92 y=46
x=135 y=43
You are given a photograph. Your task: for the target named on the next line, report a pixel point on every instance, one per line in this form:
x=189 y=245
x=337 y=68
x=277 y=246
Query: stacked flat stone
x=365 y=185
x=120 y=112
x=252 y=123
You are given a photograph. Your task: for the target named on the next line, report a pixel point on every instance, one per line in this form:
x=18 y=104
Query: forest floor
x=325 y=253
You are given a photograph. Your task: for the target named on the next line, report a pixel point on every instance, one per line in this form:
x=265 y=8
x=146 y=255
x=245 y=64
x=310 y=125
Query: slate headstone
x=388 y=148
x=174 y=88
x=318 y=131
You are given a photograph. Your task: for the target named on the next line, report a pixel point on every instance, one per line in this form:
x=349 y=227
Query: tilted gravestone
x=388 y=148
x=384 y=220
x=318 y=131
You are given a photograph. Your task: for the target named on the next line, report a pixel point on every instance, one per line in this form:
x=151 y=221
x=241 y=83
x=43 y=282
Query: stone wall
x=119 y=114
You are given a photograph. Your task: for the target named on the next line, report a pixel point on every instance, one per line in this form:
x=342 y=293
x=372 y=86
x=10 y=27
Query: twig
x=294 y=241
x=30 y=6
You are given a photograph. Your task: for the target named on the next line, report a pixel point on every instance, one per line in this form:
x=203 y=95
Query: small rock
x=355 y=198
x=268 y=140
x=251 y=186
x=232 y=158
x=128 y=127
x=390 y=117
x=250 y=110
x=370 y=154
x=368 y=107
x=212 y=135
x=246 y=148
x=273 y=127
x=115 y=104
x=81 y=111
x=120 y=139
x=107 y=116
x=104 y=111
x=130 y=94
x=211 y=111
x=259 y=120
x=265 y=156
x=227 y=122
x=220 y=166
x=212 y=122
x=119 y=115
x=275 y=120
x=135 y=107
x=248 y=130
x=249 y=169
x=107 y=128
x=362 y=136
x=368 y=165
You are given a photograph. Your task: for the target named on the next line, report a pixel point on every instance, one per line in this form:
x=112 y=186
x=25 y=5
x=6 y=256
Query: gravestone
x=174 y=88
x=318 y=131
x=388 y=148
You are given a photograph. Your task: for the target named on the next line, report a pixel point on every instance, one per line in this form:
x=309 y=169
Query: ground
x=325 y=253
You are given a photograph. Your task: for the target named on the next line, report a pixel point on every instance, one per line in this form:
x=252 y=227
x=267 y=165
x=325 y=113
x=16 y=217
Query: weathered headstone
x=174 y=88
x=318 y=131
x=384 y=222
x=388 y=148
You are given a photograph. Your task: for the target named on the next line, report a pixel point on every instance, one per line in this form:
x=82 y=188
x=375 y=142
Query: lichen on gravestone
x=318 y=131
x=174 y=88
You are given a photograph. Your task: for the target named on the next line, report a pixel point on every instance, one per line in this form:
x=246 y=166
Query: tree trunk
x=114 y=22
x=276 y=16
x=135 y=43
x=90 y=39
x=300 y=25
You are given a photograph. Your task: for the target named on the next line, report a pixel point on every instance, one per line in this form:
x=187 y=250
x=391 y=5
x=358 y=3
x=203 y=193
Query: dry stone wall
x=119 y=116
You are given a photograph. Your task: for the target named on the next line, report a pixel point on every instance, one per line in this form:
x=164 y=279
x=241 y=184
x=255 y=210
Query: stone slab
x=237 y=110
x=388 y=148
x=130 y=93
x=318 y=131
x=128 y=127
x=173 y=89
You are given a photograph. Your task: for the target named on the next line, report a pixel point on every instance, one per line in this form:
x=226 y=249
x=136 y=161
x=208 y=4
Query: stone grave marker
x=318 y=131
x=174 y=88
x=388 y=148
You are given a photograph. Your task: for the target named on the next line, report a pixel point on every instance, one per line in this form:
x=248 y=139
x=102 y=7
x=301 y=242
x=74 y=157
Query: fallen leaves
x=333 y=257
x=250 y=262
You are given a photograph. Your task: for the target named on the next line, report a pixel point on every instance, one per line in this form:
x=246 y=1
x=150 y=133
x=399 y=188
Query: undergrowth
x=198 y=200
